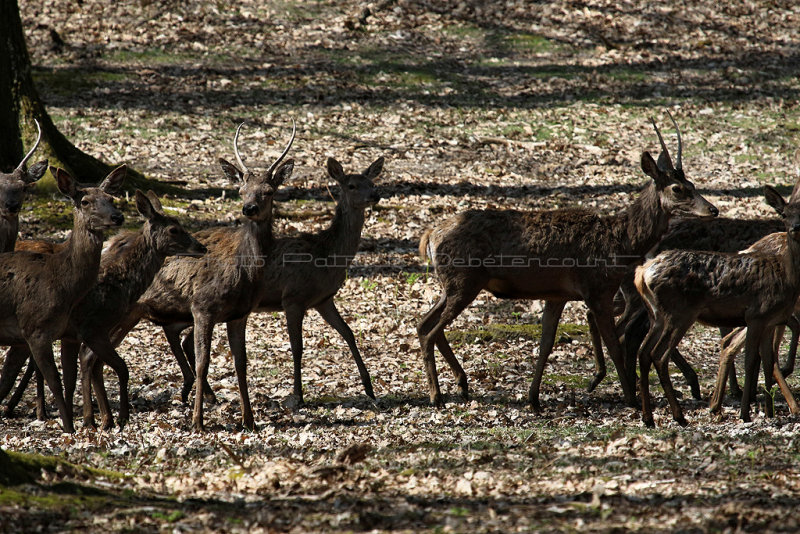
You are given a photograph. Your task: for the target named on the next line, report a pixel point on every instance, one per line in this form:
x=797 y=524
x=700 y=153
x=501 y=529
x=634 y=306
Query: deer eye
x=173 y=230
x=84 y=202
x=351 y=187
x=679 y=190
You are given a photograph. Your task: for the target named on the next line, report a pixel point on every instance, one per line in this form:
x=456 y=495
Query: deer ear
x=335 y=170
x=64 y=182
x=230 y=171
x=282 y=173
x=651 y=169
x=143 y=205
x=774 y=199
x=35 y=173
x=374 y=169
x=155 y=201
x=113 y=181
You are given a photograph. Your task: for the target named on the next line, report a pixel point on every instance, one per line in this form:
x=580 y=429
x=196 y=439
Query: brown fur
x=221 y=287
x=560 y=255
x=755 y=289
x=38 y=291
x=306 y=271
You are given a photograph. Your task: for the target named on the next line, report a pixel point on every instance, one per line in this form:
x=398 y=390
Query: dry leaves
x=506 y=104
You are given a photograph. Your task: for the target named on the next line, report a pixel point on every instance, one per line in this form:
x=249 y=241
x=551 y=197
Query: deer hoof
x=595 y=382
x=437 y=401
x=681 y=421
x=649 y=422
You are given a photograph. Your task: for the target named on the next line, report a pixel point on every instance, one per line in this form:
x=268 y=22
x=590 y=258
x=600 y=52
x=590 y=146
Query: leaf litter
x=503 y=105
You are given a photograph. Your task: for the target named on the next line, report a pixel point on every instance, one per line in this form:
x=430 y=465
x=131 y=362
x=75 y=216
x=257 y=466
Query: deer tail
x=423 y=245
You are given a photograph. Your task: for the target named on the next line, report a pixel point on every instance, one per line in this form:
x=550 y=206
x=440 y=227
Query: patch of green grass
x=507 y=332
x=531 y=42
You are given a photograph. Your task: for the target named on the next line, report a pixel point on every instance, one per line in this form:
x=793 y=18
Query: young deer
x=757 y=290
x=13 y=187
x=222 y=286
x=557 y=255
x=38 y=291
x=306 y=271
x=127 y=267
x=719 y=235
x=734 y=342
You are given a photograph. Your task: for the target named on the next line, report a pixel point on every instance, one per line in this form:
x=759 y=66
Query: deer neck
x=255 y=242
x=134 y=269
x=9 y=228
x=344 y=233
x=78 y=262
x=645 y=222
x=791 y=262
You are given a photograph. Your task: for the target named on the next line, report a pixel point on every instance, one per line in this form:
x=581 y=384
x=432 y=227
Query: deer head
x=789 y=211
x=358 y=190
x=94 y=204
x=677 y=195
x=257 y=191
x=15 y=184
x=165 y=233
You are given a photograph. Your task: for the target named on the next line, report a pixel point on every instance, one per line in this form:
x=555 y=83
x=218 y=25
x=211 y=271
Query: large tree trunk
x=20 y=104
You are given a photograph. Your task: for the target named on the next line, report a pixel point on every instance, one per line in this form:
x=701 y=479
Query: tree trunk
x=20 y=104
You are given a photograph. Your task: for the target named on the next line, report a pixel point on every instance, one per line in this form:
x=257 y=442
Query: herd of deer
x=741 y=276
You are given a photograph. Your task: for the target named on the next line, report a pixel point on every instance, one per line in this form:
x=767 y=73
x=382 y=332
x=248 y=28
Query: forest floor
x=509 y=104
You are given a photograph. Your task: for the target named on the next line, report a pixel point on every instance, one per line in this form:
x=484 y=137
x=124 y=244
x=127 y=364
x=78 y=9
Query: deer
x=306 y=271
x=39 y=291
x=128 y=265
x=757 y=289
x=13 y=187
x=732 y=343
x=220 y=287
x=555 y=255
x=722 y=234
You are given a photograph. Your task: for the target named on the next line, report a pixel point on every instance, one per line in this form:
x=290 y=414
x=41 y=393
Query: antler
x=664 y=161
x=242 y=166
x=285 y=151
x=31 y=151
x=679 y=164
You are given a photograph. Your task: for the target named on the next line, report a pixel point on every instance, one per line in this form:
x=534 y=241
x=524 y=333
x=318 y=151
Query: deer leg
x=597 y=351
x=605 y=323
x=23 y=383
x=236 y=340
x=794 y=326
x=687 y=371
x=431 y=332
x=42 y=350
x=187 y=353
x=12 y=366
x=15 y=360
x=635 y=332
x=768 y=362
x=332 y=316
x=173 y=335
x=203 y=330
x=664 y=349
x=86 y=358
x=294 y=324
x=645 y=361
x=102 y=352
x=752 y=343
x=69 y=369
x=106 y=417
x=794 y=409
x=731 y=344
x=41 y=402
x=550 y=317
